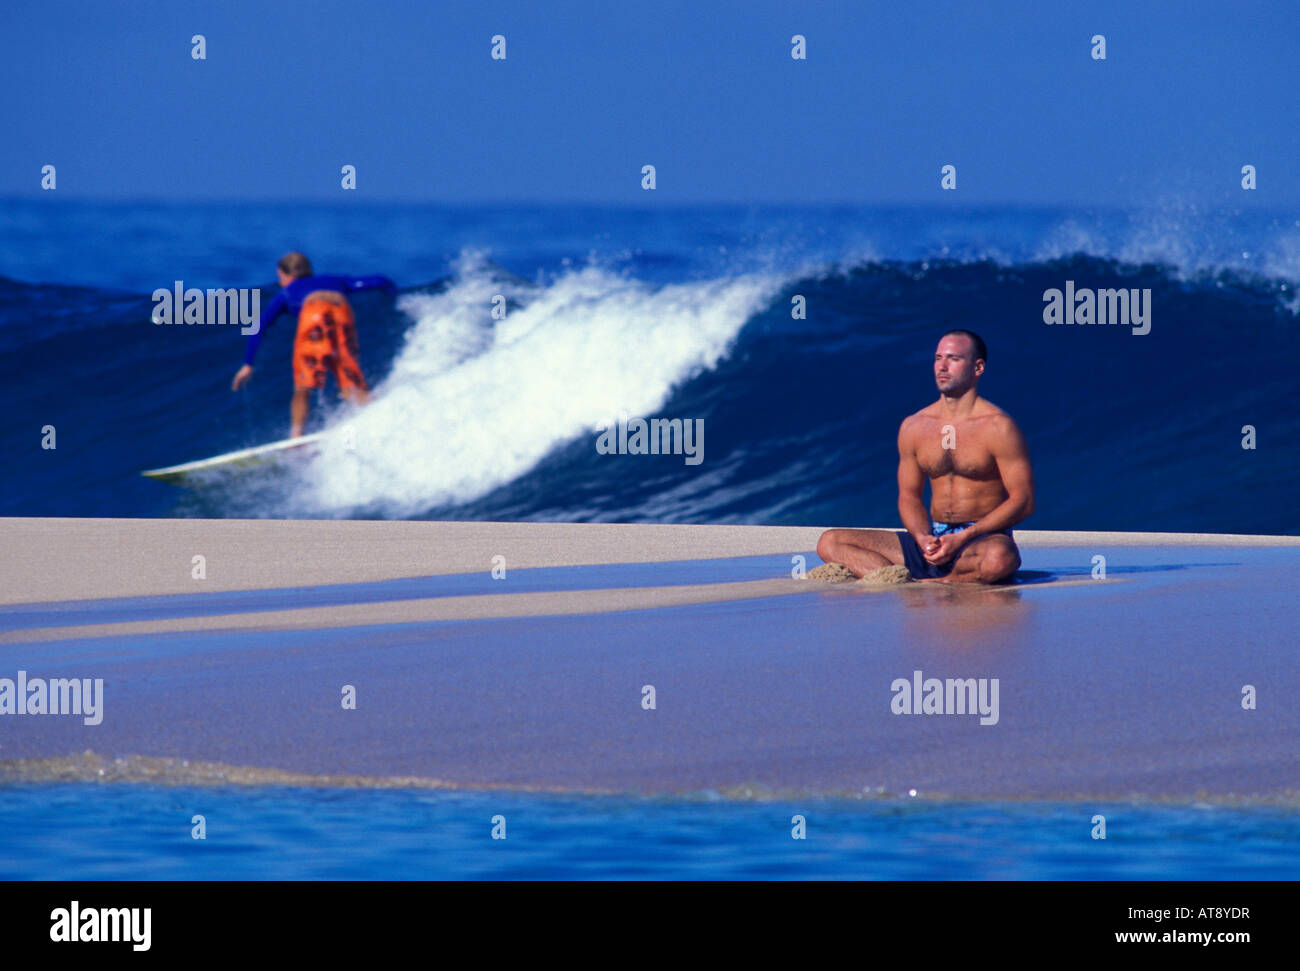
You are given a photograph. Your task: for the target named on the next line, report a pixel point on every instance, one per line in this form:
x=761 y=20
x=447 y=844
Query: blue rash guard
x=291 y=297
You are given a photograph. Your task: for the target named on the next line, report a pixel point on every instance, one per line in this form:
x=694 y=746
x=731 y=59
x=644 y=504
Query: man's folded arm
x=911 y=483
x=1012 y=456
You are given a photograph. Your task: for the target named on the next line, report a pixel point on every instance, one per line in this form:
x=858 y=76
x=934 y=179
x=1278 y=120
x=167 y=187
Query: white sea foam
x=473 y=403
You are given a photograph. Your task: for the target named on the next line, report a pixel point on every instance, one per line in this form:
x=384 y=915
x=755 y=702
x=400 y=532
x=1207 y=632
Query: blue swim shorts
x=922 y=569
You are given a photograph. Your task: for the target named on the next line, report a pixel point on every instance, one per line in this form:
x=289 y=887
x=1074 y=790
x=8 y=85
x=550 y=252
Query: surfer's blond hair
x=295 y=265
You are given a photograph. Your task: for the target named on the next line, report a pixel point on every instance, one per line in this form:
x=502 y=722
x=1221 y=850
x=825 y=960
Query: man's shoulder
x=991 y=413
x=301 y=286
x=999 y=426
x=909 y=425
x=925 y=413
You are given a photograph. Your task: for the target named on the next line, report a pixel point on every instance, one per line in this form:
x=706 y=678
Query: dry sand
x=67 y=559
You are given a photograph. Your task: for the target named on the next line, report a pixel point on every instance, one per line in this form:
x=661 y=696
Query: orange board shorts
x=326 y=343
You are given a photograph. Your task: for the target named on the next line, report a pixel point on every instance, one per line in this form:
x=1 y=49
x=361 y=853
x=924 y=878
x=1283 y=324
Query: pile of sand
x=888 y=574
x=831 y=573
x=839 y=573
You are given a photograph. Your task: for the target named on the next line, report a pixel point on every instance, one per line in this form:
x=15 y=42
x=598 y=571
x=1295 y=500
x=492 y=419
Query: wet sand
x=1125 y=687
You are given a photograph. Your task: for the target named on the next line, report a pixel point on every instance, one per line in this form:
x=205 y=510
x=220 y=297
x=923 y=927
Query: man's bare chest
x=951 y=450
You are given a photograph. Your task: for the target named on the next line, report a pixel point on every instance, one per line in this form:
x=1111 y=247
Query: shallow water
x=93 y=832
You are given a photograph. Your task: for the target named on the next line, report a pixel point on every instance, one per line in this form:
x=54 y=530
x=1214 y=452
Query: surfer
x=327 y=336
x=981 y=483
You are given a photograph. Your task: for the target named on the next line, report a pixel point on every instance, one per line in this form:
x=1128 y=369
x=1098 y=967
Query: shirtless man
x=981 y=483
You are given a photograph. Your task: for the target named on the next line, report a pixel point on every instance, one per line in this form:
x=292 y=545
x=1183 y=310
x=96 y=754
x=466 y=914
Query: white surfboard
x=245 y=458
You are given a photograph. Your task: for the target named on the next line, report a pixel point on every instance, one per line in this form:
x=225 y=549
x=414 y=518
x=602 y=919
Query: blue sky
x=705 y=91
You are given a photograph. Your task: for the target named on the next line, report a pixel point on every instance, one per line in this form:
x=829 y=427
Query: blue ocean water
x=107 y=832
x=677 y=313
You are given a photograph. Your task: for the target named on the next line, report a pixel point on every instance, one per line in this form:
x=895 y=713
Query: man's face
x=285 y=278
x=955 y=369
